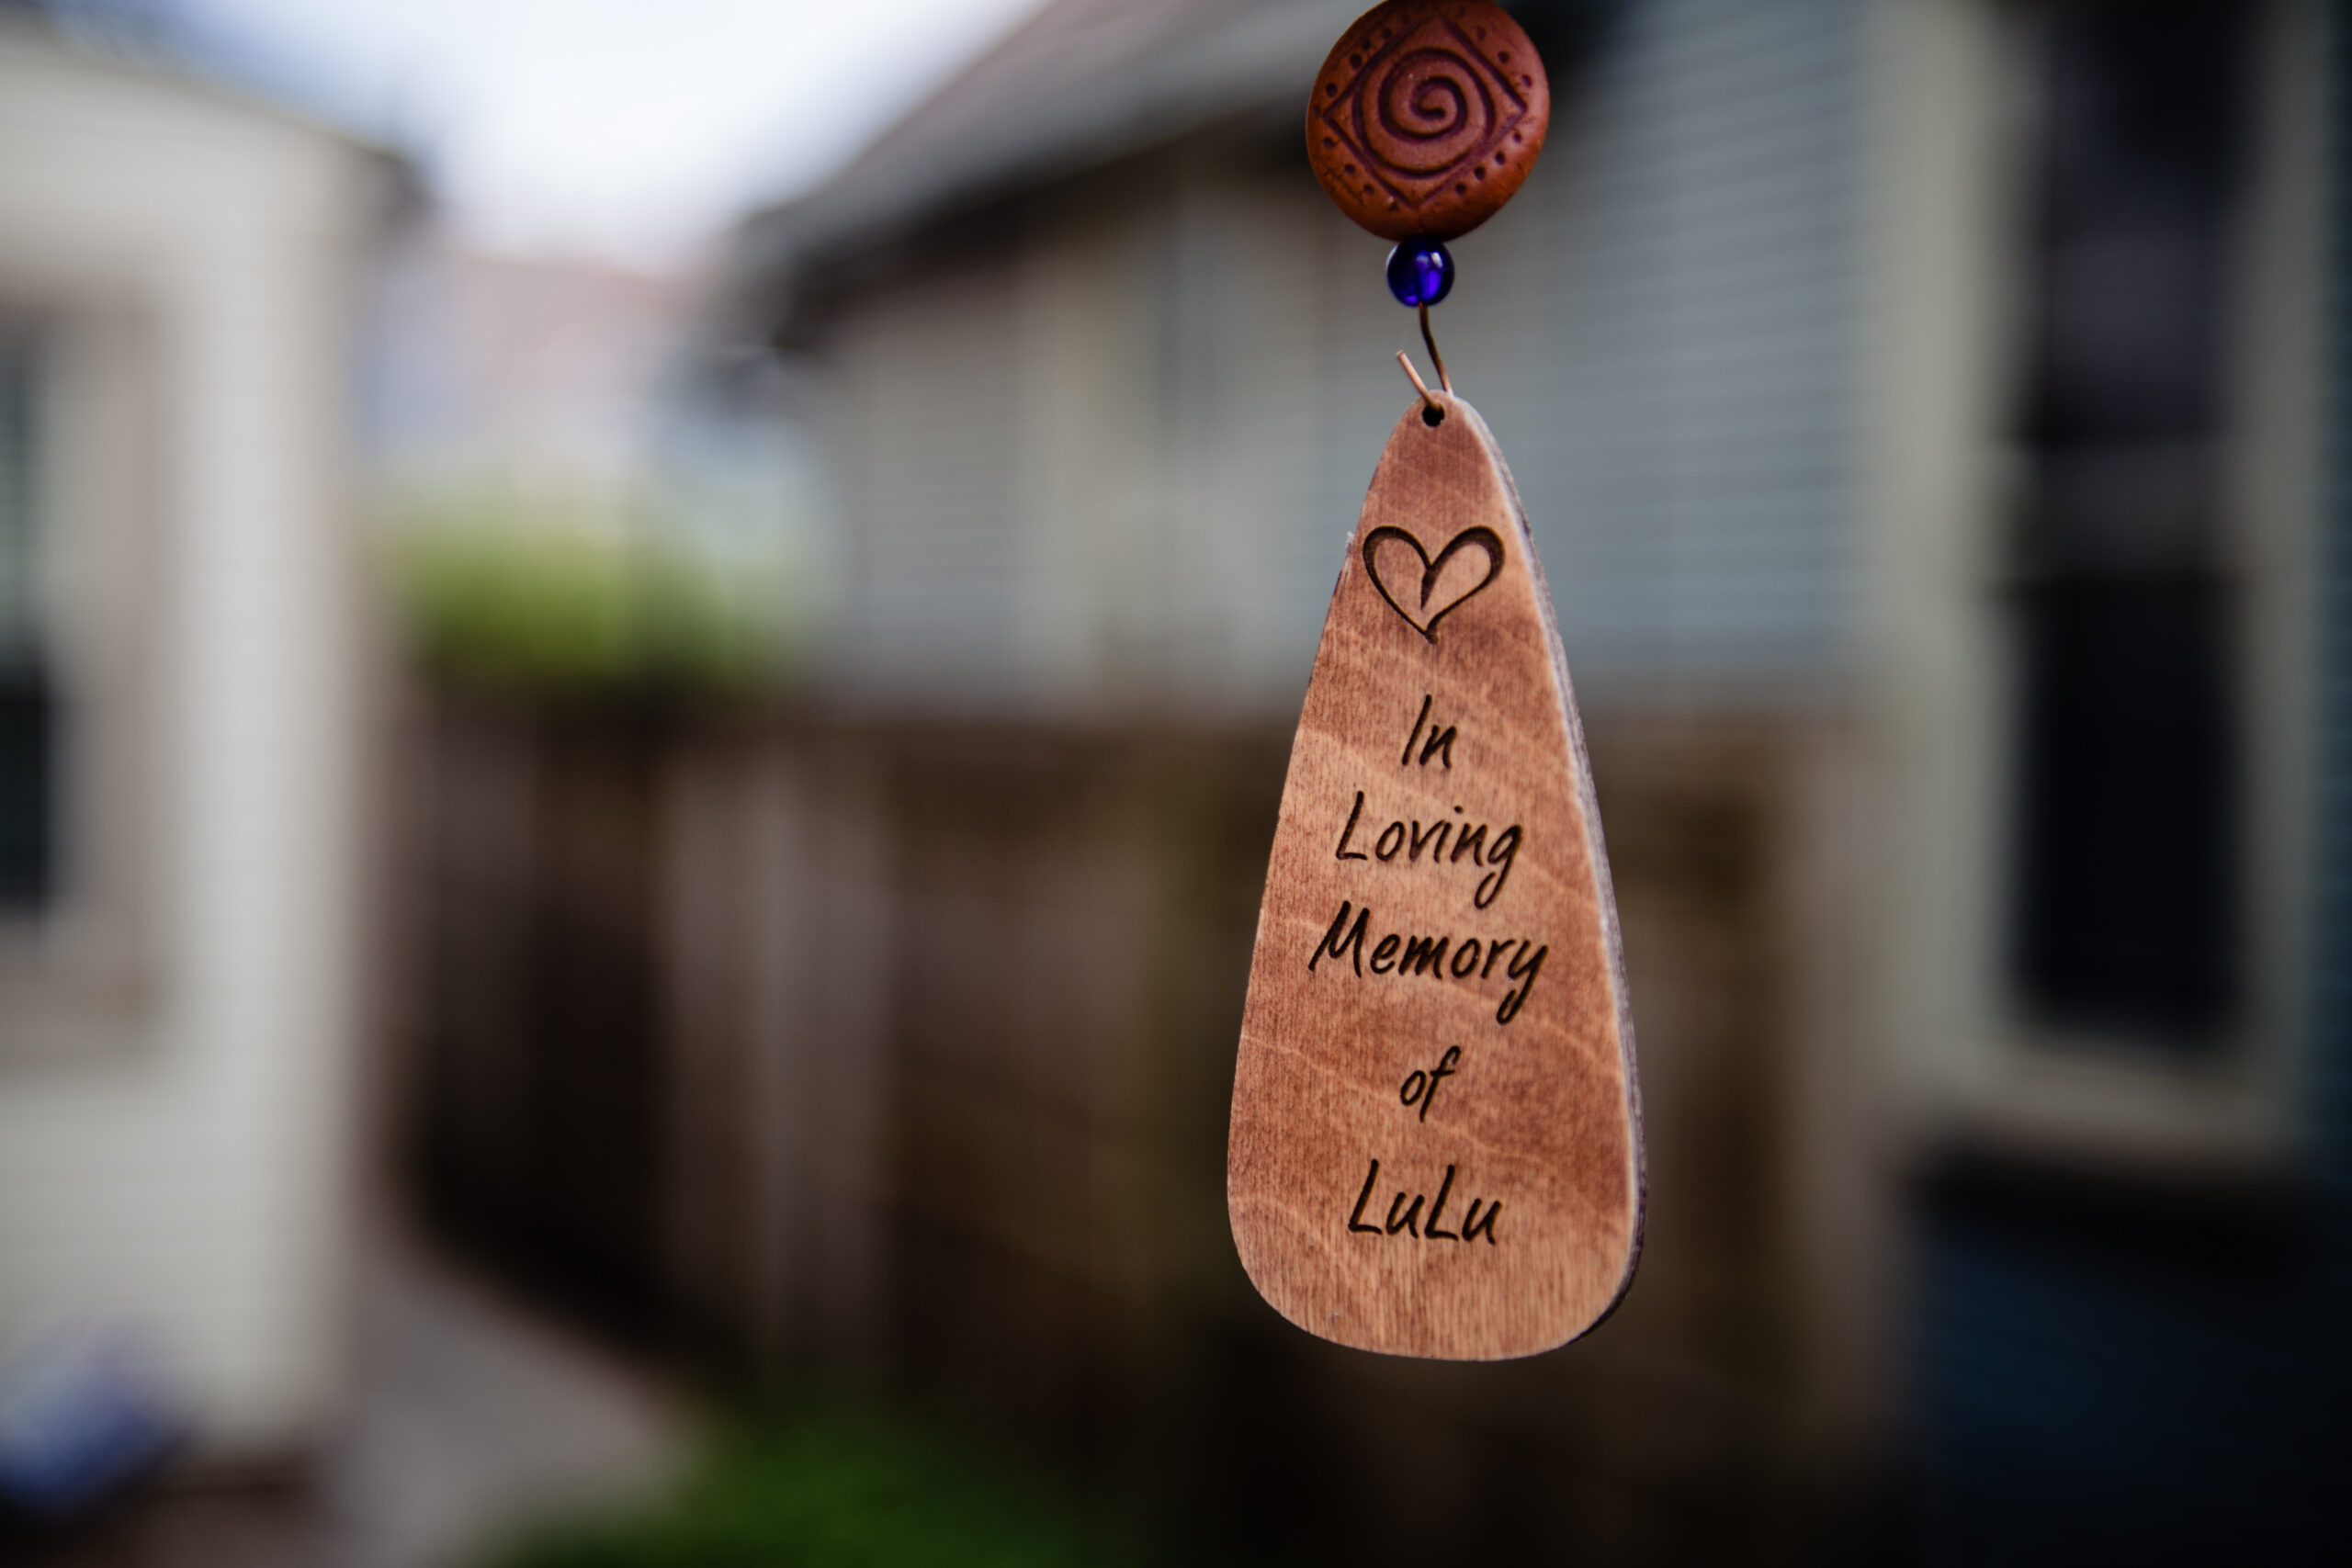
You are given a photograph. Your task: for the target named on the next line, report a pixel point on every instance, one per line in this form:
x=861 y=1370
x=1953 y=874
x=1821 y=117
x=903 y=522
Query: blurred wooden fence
x=901 y=1052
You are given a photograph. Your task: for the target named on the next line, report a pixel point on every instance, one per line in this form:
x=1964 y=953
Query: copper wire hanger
x=1435 y=410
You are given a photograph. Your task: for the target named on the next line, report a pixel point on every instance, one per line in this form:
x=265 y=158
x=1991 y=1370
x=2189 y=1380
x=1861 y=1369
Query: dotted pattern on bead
x=1421 y=107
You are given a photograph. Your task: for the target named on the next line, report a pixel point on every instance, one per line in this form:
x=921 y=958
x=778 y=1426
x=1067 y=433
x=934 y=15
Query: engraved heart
x=1433 y=588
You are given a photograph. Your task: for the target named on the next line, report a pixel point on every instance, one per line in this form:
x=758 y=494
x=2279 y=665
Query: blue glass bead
x=1420 y=272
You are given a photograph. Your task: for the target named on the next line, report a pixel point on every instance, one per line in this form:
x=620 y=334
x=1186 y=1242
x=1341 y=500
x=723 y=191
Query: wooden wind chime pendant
x=1436 y=1142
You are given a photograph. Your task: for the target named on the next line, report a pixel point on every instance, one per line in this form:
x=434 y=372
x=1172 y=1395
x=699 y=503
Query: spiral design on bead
x=1427 y=116
x=1428 y=110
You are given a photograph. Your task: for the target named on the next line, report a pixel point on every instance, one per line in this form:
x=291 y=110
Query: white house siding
x=1112 y=458
x=173 y=1160
x=923 y=423
x=1682 y=423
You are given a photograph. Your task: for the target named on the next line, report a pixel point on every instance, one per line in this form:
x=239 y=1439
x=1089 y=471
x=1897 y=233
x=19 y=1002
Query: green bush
x=843 y=1490
x=543 y=607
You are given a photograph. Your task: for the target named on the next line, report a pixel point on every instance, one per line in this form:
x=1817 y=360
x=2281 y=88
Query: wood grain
x=1438 y=792
x=1427 y=116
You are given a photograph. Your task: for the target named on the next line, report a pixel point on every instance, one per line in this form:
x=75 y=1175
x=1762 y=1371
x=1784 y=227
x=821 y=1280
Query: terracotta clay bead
x=1427 y=117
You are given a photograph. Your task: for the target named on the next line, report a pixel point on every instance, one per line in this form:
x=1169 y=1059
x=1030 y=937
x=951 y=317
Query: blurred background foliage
x=845 y=1486
x=512 y=595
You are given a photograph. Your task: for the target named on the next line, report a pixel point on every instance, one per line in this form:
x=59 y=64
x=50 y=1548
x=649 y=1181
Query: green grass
x=844 y=1489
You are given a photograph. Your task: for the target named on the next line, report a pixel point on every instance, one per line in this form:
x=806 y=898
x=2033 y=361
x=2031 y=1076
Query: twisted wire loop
x=1436 y=359
x=1432 y=409
x=1427 y=117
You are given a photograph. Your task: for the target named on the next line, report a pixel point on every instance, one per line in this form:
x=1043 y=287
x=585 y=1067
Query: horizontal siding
x=1684 y=442
x=1660 y=332
x=922 y=438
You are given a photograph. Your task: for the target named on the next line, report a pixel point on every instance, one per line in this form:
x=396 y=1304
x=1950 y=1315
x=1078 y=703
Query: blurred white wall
x=178 y=1021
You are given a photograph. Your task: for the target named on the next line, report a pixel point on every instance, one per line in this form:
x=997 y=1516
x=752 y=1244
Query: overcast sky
x=629 y=129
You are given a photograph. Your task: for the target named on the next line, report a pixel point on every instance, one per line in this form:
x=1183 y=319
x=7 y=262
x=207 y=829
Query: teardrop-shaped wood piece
x=1436 y=1146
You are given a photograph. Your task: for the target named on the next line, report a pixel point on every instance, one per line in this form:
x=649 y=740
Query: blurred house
x=539 y=408
x=1923 y=410
x=526 y=377
x=180 y=758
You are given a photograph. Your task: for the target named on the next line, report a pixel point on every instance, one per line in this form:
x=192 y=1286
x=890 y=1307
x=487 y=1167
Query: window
x=77 y=467
x=2126 y=873
x=2094 y=456
x=27 y=706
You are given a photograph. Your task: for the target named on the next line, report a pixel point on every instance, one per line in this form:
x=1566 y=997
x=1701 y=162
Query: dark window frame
x=31 y=714
x=78 y=965
x=2127 y=873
